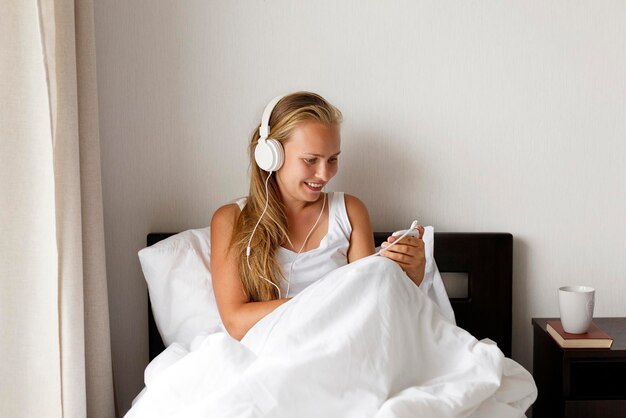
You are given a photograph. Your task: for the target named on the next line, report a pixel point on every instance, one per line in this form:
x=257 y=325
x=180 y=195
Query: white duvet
x=363 y=341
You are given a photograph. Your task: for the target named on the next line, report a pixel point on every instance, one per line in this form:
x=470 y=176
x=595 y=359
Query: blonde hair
x=272 y=231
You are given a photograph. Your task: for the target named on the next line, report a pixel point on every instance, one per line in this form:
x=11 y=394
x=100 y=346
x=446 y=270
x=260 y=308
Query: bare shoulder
x=224 y=220
x=226 y=214
x=354 y=206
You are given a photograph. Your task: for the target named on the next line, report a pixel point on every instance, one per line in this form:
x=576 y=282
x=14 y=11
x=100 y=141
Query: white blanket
x=364 y=341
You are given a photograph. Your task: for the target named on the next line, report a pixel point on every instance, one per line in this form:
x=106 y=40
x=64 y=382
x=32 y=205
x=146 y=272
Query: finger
x=391 y=238
x=421 y=229
x=412 y=241
x=397 y=248
x=411 y=251
x=414 y=250
x=399 y=258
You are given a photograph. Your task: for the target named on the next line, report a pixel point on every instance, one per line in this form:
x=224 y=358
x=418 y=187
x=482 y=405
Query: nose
x=325 y=172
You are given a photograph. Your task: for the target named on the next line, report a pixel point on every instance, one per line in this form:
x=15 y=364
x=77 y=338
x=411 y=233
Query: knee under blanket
x=363 y=341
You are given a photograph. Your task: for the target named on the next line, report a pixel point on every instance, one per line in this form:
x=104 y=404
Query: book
x=595 y=337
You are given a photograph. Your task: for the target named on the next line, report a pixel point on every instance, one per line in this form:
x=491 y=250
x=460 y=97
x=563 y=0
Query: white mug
x=576 y=307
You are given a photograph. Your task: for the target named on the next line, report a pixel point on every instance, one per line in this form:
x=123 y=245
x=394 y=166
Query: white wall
x=470 y=116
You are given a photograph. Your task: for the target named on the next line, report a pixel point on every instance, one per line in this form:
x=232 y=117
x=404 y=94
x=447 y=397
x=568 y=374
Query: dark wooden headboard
x=486 y=258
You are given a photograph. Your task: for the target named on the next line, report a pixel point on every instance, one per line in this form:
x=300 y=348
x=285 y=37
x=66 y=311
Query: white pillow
x=177 y=271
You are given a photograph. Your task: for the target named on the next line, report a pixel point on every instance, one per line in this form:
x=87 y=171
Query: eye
x=310 y=161
x=333 y=160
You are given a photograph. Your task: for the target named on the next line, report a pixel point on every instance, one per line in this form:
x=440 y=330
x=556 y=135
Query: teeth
x=314 y=184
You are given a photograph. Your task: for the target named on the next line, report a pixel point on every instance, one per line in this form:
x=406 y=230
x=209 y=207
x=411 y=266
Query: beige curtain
x=55 y=358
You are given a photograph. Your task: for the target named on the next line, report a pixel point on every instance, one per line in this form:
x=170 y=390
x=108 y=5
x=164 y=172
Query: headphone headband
x=264 y=130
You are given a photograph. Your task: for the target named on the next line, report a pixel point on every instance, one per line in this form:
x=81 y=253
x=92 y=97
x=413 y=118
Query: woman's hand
x=409 y=254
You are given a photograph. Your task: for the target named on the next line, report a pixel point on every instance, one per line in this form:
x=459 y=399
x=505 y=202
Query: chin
x=312 y=195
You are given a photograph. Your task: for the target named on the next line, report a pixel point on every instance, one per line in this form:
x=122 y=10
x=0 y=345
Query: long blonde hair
x=273 y=230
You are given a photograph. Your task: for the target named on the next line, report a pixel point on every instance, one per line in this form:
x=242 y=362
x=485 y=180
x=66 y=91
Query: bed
x=486 y=259
x=360 y=341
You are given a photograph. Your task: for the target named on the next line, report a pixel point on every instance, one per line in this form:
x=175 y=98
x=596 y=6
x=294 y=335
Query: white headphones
x=268 y=153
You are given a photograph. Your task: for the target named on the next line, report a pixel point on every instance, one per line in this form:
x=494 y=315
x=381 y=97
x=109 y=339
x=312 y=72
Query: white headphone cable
x=254 y=230
x=304 y=243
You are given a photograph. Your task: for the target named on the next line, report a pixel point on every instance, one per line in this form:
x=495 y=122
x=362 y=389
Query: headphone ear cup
x=269 y=154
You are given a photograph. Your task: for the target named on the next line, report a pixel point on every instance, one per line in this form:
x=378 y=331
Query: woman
x=288 y=233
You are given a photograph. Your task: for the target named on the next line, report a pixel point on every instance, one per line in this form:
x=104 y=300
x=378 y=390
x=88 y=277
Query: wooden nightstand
x=580 y=382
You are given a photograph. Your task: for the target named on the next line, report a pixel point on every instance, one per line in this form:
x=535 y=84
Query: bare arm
x=362 y=237
x=237 y=313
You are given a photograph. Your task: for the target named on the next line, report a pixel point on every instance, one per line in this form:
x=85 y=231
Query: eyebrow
x=319 y=155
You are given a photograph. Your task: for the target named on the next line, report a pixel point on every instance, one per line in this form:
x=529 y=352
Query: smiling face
x=311 y=160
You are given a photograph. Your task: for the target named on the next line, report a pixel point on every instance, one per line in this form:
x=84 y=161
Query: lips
x=314 y=186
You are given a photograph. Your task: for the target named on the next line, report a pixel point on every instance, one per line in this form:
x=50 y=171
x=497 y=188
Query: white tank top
x=332 y=252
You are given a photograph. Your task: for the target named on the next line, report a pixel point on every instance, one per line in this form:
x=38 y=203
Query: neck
x=319 y=217
x=294 y=208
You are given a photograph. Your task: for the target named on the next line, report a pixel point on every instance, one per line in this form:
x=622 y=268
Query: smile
x=314 y=186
